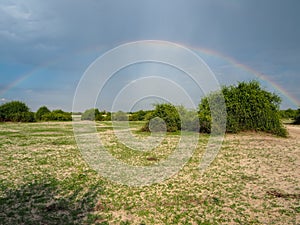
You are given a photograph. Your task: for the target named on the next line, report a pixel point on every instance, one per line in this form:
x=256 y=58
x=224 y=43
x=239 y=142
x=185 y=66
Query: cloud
x=4 y=100
x=61 y=38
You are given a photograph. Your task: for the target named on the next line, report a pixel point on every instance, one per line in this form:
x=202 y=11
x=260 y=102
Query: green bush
x=248 y=107
x=23 y=117
x=168 y=113
x=16 y=111
x=57 y=115
x=41 y=112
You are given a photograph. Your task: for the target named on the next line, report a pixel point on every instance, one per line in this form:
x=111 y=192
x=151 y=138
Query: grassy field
x=255 y=179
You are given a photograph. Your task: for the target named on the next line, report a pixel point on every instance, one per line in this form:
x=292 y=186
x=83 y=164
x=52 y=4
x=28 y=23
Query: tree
x=248 y=106
x=90 y=114
x=106 y=116
x=119 y=116
x=138 y=116
x=41 y=112
x=16 y=111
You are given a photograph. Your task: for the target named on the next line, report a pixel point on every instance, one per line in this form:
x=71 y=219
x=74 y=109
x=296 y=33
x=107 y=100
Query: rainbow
x=199 y=51
x=262 y=77
x=18 y=81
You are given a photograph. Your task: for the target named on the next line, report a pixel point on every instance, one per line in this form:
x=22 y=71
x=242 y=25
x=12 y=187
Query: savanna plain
x=255 y=179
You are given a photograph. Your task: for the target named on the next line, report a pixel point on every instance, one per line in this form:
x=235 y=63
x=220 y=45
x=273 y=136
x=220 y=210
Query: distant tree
x=120 y=116
x=57 y=115
x=100 y=116
x=16 y=111
x=138 y=116
x=288 y=113
x=41 y=112
x=90 y=114
x=106 y=116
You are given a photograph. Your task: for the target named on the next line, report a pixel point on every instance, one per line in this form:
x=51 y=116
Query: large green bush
x=248 y=107
x=16 y=111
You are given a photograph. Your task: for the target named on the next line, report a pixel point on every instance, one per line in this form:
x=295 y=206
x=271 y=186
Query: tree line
x=248 y=107
x=16 y=111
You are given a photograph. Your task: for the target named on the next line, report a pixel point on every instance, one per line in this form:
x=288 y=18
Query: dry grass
x=255 y=179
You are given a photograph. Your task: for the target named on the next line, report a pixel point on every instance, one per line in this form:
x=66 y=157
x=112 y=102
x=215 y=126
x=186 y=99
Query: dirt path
x=294 y=131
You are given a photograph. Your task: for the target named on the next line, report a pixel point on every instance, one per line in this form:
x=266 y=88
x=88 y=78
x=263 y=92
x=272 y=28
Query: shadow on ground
x=49 y=202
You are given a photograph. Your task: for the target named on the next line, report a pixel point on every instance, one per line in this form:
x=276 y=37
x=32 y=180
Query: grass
x=44 y=180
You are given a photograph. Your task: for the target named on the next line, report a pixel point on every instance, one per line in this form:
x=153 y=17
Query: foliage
x=57 y=115
x=95 y=114
x=106 y=116
x=90 y=114
x=41 y=112
x=212 y=114
x=137 y=116
x=297 y=118
x=119 y=116
x=248 y=106
x=23 y=117
x=16 y=111
x=288 y=113
x=189 y=119
x=168 y=113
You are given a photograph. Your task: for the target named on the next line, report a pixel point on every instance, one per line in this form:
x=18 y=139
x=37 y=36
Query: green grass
x=44 y=180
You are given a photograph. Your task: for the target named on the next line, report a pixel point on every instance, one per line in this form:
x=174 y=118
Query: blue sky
x=46 y=46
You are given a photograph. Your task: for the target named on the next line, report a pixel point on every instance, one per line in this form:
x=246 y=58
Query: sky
x=47 y=47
